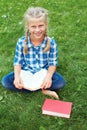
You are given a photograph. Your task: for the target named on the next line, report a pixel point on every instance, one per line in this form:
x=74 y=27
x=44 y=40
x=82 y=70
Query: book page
x=33 y=81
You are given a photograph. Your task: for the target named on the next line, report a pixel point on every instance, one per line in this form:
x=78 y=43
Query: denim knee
x=3 y=82
x=58 y=81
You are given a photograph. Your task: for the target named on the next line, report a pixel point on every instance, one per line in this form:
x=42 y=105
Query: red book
x=57 y=108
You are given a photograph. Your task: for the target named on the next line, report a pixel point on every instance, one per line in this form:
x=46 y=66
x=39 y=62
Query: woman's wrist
x=16 y=76
x=49 y=75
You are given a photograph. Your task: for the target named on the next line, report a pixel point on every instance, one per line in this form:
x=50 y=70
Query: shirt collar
x=42 y=45
x=29 y=43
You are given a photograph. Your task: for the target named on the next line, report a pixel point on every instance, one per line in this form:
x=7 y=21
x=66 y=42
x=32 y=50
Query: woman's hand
x=17 y=79
x=18 y=83
x=47 y=82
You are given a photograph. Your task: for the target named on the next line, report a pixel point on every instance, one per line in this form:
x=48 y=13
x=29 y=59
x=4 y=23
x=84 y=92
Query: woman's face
x=37 y=28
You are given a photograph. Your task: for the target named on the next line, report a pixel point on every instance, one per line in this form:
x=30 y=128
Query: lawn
x=68 y=25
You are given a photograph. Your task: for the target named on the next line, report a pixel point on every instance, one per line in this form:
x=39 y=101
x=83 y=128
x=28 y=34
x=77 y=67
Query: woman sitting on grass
x=35 y=51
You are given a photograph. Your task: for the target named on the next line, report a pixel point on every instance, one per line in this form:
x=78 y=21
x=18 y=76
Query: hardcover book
x=57 y=108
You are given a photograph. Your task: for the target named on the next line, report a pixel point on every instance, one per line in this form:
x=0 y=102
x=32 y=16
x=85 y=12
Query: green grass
x=68 y=25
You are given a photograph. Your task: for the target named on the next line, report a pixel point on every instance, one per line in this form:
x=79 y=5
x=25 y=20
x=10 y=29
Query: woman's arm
x=17 y=80
x=48 y=79
x=51 y=71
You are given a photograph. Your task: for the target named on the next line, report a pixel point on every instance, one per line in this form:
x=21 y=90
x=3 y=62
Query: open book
x=57 y=108
x=33 y=81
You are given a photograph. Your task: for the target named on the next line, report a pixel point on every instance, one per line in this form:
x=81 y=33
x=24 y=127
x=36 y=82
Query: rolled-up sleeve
x=53 y=55
x=18 y=58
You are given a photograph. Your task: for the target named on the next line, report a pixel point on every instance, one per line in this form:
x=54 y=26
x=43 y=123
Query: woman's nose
x=37 y=29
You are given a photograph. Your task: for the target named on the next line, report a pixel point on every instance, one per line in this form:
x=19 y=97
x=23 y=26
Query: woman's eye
x=40 y=25
x=32 y=26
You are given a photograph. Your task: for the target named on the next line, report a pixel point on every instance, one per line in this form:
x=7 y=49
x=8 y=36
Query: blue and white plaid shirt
x=36 y=59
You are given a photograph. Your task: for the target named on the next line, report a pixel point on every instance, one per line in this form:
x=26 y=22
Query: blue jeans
x=58 y=82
